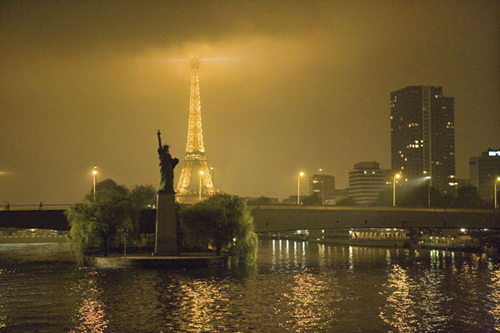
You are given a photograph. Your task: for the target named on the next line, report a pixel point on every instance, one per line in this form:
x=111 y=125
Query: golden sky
x=299 y=85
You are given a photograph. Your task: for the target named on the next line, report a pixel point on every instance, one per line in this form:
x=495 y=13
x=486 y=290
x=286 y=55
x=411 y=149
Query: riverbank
x=33 y=239
x=185 y=260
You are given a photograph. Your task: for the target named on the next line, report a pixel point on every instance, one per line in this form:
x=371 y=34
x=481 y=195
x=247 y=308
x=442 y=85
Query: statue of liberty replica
x=167 y=165
x=166 y=224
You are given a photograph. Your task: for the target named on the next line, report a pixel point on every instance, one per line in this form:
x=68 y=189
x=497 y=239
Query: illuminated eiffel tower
x=195 y=183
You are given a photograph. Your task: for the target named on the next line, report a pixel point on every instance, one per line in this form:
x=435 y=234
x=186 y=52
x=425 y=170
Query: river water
x=296 y=287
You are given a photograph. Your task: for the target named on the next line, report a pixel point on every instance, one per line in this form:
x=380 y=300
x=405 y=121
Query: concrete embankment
x=163 y=262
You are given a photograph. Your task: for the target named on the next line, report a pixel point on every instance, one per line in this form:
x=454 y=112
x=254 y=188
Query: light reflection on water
x=398 y=311
x=91 y=315
x=297 y=287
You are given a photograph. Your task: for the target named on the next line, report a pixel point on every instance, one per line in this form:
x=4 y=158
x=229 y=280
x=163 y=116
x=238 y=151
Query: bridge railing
x=374 y=208
x=35 y=206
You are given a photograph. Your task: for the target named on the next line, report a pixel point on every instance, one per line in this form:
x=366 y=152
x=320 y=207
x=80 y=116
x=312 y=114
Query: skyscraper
x=423 y=135
x=195 y=182
x=322 y=186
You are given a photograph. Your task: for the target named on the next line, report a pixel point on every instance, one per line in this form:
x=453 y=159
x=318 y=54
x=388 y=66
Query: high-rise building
x=484 y=171
x=423 y=135
x=195 y=183
x=322 y=186
x=366 y=181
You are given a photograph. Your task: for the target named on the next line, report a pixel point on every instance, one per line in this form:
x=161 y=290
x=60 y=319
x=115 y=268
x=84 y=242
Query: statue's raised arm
x=159 y=139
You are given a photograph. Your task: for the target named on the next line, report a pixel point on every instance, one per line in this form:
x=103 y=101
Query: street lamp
x=301 y=174
x=94 y=172
x=496 y=181
x=428 y=178
x=199 y=193
x=396 y=176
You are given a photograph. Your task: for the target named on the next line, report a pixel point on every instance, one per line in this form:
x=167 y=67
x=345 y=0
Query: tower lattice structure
x=195 y=170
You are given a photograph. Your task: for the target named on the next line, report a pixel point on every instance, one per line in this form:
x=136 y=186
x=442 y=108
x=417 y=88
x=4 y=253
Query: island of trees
x=110 y=218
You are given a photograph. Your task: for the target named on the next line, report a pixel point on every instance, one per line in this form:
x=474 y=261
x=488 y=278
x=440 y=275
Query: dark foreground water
x=297 y=287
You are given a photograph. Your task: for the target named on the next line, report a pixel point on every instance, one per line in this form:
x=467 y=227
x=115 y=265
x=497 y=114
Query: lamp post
x=301 y=174
x=199 y=193
x=428 y=178
x=496 y=181
x=396 y=176
x=94 y=172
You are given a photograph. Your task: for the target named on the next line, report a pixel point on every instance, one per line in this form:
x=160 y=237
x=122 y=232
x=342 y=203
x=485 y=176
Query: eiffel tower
x=195 y=183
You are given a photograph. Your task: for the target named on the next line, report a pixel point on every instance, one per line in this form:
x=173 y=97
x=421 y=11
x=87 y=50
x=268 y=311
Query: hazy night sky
x=302 y=85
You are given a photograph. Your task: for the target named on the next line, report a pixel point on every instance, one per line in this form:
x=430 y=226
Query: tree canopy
x=111 y=212
x=224 y=221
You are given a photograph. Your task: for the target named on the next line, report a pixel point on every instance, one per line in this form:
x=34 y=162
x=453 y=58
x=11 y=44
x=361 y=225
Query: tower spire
x=195 y=175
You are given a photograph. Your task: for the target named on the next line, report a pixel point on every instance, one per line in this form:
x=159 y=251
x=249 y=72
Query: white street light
x=201 y=175
x=396 y=176
x=301 y=174
x=94 y=172
x=428 y=178
x=496 y=181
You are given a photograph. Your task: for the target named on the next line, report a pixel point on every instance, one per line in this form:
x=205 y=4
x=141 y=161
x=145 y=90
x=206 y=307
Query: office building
x=423 y=135
x=322 y=186
x=366 y=181
x=483 y=173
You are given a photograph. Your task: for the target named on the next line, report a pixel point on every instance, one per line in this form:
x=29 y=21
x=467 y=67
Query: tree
x=96 y=222
x=225 y=222
x=347 y=202
x=143 y=196
x=260 y=201
x=468 y=197
x=312 y=200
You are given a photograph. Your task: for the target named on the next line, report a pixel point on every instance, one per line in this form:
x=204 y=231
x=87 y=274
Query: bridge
x=269 y=218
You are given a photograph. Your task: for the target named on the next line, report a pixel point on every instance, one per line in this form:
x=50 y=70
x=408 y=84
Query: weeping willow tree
x=83 y=229
x=98 y=219
x=225 y=222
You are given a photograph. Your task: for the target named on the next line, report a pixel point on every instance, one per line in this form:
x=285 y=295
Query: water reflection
x=431 y=302
x=201 y=306
x=321 y=255
x=309 y=305
x=495 y=296
x=288 y=254
x=91 y=315
x=3 y=315
x=399 y=311
x=319 y=288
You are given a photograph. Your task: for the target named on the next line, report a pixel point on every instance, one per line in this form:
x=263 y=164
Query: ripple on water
x=296 y=288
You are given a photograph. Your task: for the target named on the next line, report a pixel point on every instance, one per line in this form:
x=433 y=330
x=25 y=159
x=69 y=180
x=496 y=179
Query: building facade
x=366 y=181
x=423 y=135
x=484 y=171
x=322 y=186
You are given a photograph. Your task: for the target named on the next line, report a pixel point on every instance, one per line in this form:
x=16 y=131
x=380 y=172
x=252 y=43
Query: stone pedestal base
x=166 y=225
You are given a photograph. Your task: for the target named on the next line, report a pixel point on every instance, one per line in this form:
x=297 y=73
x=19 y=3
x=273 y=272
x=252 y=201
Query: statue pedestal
x=166 y=225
